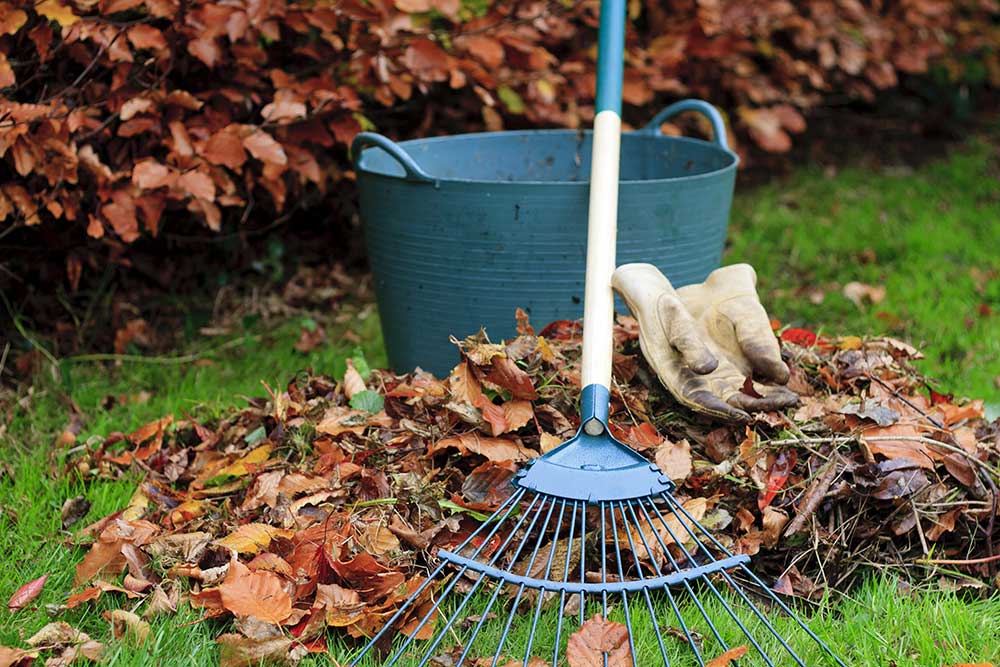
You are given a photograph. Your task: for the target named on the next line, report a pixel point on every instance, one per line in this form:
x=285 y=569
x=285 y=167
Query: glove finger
x=684 y=336
x=757 y=340
x=708 y=403
x=772 y=398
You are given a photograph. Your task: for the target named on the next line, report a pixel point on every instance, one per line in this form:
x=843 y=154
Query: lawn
x=928 y=236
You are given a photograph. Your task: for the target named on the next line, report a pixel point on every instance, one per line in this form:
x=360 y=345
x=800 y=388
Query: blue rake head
x=592 y=527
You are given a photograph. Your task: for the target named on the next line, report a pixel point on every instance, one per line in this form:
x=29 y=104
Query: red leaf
x=777 y=475
x=508 y=375
x=24 y=595
x=802 y=337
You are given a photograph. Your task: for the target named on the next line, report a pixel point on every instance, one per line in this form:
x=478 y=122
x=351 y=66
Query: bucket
x=462 y=230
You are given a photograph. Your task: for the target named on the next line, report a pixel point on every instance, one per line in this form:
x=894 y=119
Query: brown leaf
x=495 y=449
x=596 y=639
x=150 y=174
x=16 y=657
x=239 y=651
x=265 y=148
x=427 y=60
x=353 y=382
x=197 y=184
x=126 y=623
x=859 y=293
x=506 y=374
x=144 y=36
x=727 y=658
x=225 y=148
x=674 y=459
x=465 y=386
x=486 y=49
x=257 y=594
x=205 y=50
x=26 y=594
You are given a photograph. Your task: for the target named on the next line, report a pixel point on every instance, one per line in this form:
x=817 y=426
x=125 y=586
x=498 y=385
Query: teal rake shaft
x=592 y=523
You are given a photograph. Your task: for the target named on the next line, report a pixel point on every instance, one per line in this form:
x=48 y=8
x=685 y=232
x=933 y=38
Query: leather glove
x=704 y=340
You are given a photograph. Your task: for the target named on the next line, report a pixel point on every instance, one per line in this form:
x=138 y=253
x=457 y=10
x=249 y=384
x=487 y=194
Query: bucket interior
x=549 y=156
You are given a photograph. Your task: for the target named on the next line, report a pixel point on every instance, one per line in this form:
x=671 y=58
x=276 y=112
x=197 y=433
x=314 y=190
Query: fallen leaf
x=495 y=449
x=26 y=594
x=674 y=459
x=727 y=658
x=872 y=409
x=16 y=657
x=252 y=538
x=599 y=643
x=257 y=594
x=859 y=293
x=126 y=623
x=73 y=510
x=239 y=651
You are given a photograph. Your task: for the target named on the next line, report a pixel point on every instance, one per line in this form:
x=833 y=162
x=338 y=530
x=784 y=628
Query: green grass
x=879 y=624
x=929 y=237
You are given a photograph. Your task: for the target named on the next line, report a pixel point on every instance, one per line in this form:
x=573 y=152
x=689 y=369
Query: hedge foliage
x=120 y=116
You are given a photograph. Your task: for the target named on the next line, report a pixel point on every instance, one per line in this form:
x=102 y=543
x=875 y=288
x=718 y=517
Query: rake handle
x=602 y=222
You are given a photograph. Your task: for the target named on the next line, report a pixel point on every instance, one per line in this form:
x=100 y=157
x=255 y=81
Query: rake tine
x=645 y=590
x=583 y=555
x=604 y=565
x=562 y=594
x=670 y=595
x=451 y=585
x=541 y=591
x=771 y=594
x=468 y=596
x=734 y=585
x=739 y=590
x=687 y=585
x=520 y=588
x=506 y=506
x=479 y=625
x=621 y=577
x=708 y=582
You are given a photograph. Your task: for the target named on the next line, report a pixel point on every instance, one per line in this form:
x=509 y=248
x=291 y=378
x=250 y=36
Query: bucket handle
x=700 y=106
x=413 y=171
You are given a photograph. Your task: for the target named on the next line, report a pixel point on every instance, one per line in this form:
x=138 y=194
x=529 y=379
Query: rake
x=592 y=526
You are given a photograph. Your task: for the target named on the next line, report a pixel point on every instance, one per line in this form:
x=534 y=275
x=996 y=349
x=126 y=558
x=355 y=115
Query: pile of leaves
x=118 y=117
x=323 y=504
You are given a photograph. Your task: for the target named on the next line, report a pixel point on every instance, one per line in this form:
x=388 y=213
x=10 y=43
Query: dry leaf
x=674 y=459
x=495 y=449
x=252 y=538
x=257 y=594
x=727 y=658
x=27 y=593
x=599 y=643
x=126 y=623
x=239 y=651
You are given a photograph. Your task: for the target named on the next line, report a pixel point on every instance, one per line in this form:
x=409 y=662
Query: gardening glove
x=691 y=355
x=729 y=310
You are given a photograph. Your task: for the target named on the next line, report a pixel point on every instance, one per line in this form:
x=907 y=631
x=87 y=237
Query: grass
x=929 y=237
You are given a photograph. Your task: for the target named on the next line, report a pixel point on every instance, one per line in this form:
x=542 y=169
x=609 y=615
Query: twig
x=970 y=561
x=3 y=357
x=813 y=497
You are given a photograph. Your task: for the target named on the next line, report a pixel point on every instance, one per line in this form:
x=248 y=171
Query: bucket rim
x=715 y=173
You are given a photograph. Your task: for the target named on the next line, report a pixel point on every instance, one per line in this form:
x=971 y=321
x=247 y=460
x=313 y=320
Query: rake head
x=592 y=528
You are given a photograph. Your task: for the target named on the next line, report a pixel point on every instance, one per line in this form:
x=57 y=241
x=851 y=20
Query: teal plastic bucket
x=462 y=230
